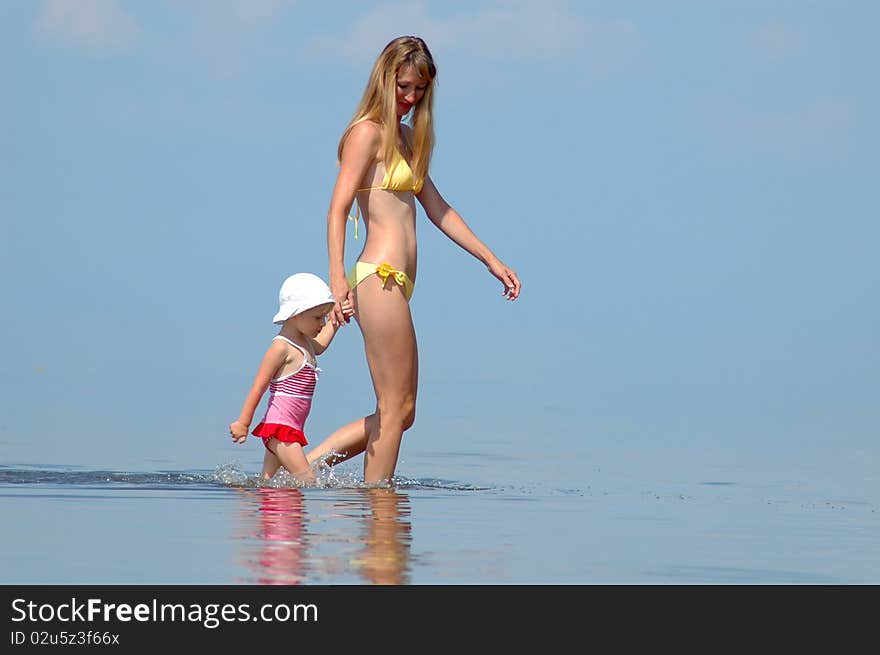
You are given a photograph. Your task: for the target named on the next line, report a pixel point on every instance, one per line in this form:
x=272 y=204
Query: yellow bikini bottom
x=362 y=270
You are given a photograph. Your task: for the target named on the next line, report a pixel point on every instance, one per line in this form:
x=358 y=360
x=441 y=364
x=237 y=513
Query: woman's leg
x=347 y=442
x=392 y=355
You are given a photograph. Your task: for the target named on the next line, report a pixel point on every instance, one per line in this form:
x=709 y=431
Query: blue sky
x=687 y=190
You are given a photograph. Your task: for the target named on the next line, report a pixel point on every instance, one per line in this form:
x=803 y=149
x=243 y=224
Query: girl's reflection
x=282 y=532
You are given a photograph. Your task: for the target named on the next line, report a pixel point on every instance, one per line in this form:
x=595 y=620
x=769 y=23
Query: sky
x=687 y=190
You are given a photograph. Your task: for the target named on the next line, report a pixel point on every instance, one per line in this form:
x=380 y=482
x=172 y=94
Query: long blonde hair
x=379 y=102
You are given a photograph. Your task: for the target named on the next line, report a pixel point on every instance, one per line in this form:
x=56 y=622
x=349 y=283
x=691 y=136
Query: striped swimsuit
x=290 y=400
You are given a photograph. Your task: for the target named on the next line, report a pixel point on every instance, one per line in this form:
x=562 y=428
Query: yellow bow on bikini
x=385 y=271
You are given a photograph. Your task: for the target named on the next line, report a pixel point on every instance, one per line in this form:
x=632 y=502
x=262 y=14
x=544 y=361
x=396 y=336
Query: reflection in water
x=281 y=529
x=384 y=558
x=344 y=533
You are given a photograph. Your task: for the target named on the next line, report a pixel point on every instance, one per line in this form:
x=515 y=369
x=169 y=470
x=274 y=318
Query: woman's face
x=410 y=89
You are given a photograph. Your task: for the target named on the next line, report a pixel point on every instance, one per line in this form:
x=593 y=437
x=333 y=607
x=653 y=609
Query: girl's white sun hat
x=300 y=292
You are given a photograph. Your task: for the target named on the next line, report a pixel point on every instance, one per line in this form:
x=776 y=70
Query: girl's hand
x=508 y=278
x=239 y=431
x=342 y=311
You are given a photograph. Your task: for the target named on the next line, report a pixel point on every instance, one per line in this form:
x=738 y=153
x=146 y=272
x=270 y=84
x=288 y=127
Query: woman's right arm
x=358 y=154
x=453 y=226
x=272 y=361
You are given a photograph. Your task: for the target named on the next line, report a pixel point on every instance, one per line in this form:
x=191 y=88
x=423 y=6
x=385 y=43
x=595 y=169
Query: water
x=630 y=524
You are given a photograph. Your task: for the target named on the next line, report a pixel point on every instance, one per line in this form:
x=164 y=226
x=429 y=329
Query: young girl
x=290 y=371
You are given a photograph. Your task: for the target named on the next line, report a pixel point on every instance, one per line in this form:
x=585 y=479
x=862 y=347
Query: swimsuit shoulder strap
x=306 y=355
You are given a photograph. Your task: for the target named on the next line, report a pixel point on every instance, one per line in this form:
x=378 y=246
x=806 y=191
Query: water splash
x=231 y=475
x=329 y=477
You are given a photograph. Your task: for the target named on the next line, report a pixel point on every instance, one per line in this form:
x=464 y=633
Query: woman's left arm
x=453 y=226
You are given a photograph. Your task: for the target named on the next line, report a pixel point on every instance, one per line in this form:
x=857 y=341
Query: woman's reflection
x=387 y=537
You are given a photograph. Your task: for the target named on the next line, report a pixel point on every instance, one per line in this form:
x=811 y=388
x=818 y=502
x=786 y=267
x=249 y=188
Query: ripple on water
x=76 y=477
x=226 y=475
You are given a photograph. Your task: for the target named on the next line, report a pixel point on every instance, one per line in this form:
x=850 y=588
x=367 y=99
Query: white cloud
x=771 y=42
x=231 y=35
x=823 y=129
x=550 y=33
x=93 y=24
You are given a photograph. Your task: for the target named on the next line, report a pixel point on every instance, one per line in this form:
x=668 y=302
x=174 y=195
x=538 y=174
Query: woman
x=383 y=165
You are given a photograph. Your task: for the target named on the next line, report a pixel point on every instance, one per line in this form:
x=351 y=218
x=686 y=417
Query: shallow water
x=70 y=525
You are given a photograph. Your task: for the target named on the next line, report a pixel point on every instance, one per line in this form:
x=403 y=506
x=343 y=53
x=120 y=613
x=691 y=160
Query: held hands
x=342 y=311
x=239 y=431
x=508 y=278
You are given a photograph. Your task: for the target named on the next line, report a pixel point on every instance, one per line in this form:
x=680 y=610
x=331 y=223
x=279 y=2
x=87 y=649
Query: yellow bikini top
x=398 y=177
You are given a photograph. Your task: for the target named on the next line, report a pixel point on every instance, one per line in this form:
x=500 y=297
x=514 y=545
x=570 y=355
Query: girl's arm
x=325 y=336
x=273 y=360
x=358 y=154
x=453 y=226
x=321 y=342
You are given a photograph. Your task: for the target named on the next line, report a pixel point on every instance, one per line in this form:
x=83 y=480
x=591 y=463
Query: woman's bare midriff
x=390 y=222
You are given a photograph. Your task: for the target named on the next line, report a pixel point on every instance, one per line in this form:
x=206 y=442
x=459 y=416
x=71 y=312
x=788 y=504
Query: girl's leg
x=292 y=458
x=347 y=442
x=270 y=465
x=392 y=355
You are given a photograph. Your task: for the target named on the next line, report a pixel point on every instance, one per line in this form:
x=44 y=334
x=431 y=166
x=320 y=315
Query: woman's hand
x=239 y=431
x=508 y=278
x=342 y=311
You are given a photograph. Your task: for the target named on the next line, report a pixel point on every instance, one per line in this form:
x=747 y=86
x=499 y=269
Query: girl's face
x=410 y=89
x=311 y=321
